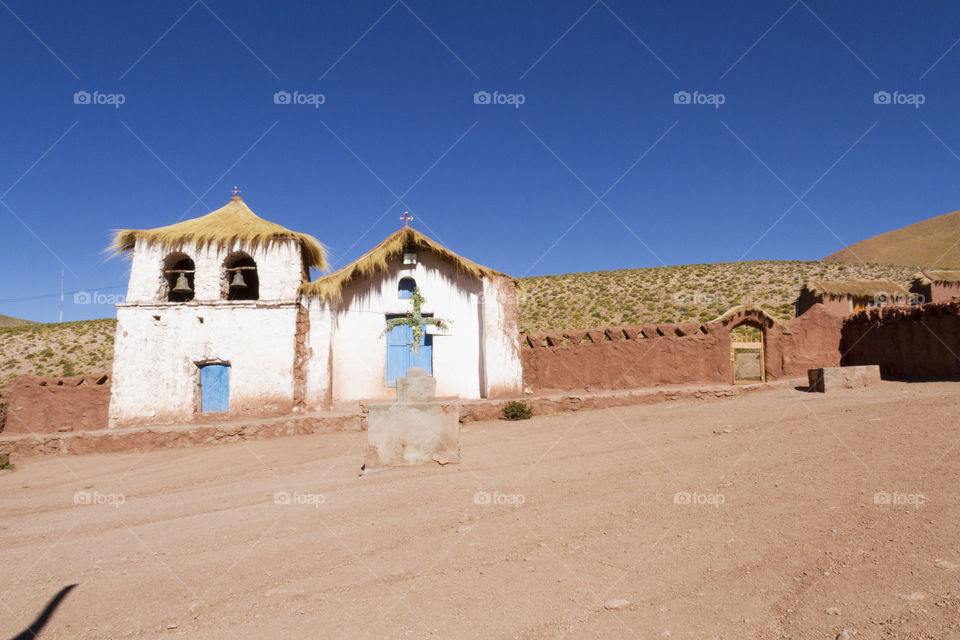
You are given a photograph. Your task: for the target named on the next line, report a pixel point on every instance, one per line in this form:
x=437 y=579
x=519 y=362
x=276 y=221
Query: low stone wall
x=675 y=354
x=909 y=343
x=50 y=405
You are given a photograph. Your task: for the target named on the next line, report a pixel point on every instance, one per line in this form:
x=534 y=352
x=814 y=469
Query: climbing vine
x=415 y=320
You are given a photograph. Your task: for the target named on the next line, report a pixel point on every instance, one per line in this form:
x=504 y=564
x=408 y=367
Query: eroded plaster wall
x=502 y=371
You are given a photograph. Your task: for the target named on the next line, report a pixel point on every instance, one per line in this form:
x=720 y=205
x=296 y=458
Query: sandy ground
x=779 y=514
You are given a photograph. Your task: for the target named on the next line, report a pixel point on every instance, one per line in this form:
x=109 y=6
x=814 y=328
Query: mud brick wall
x=909 y=343
x=49 y=405
x=675 y=354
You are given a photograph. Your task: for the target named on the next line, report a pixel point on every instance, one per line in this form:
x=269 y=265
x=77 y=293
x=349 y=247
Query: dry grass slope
x=10 y=321
x=675 y=294
x=934 y=242
x=63 y=349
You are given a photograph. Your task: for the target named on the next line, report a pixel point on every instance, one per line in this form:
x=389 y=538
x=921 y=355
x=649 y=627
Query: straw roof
x=377 y=259
x=929 y=276
x=222 y=227
x=855 y=288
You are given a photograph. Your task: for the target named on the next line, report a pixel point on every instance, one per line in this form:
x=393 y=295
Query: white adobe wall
x=359 y=350
x=279 y=267
x=156 y=376
x=159 y=344
x=318 y=372
x=503 y=372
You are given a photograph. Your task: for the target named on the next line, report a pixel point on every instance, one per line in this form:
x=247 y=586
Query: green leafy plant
x=415 y=320
x=517 y=410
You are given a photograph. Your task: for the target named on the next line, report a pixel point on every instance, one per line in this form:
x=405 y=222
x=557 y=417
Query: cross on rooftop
x=406 y=217
x=236 y=192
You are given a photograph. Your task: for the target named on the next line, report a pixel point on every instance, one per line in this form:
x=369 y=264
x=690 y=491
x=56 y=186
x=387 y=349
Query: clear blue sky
x=512 y=187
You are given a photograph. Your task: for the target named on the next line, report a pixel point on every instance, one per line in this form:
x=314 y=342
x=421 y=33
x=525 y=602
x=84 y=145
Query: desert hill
x=675 y=294
x=9 y=321
x=931 y=243
x=60 y=349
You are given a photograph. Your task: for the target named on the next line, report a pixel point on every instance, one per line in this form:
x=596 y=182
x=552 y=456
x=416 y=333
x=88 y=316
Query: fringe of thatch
x=330 y=287
x=929 y=276
x=228 y=224
x=855 y=288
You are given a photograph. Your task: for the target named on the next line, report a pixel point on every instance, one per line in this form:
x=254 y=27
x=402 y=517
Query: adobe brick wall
x=671 y=354
x=49 y=405
x=909 y=343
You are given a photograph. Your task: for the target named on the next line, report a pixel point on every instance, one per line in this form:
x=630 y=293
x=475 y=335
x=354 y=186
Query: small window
x=240 y=278
x=178 y=271
x=406 y=287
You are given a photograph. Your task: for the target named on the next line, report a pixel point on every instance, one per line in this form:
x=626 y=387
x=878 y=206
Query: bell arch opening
x=178 y=278
x=240 y=278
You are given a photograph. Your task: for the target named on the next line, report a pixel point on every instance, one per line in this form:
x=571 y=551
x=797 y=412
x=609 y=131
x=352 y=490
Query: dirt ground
x=773 y=515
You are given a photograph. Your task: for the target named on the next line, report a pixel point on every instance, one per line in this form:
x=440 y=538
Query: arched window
x=406 y=287
x=178 y=271
x=240 y=278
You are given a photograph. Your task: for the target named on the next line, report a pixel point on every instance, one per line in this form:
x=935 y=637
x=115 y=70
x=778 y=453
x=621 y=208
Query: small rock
x=616 y=605
x=945 y=564
x=171 y=626
x=846 y=634
x=833 y=611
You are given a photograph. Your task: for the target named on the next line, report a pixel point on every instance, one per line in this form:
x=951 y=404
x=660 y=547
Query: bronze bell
x=238 y=281
x=182 y=285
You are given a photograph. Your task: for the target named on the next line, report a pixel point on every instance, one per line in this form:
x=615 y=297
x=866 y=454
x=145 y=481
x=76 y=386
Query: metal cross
x=236 y=192
x=406 y=217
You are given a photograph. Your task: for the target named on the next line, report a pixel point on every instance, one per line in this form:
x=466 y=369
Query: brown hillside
x=9 y=321
x=930 y=243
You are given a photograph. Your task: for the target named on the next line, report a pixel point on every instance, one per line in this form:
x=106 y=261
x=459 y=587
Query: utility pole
x=61 y=295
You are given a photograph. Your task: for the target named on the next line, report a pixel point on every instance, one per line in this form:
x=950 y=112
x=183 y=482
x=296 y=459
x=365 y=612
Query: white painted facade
x=340 y=356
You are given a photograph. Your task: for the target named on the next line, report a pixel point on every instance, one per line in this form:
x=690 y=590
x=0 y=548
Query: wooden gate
x=746 y=355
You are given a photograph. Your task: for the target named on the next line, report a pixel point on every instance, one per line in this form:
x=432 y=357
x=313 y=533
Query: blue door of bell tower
x=214 y=388
x=401 y=357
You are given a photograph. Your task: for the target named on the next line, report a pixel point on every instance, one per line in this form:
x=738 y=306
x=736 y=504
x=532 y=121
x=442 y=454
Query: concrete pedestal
x=412 y=433
x=833 y=378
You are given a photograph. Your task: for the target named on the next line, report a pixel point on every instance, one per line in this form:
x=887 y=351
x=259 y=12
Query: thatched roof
x=855 y=288
x=331 y=286
x=929 y=276
x=228 y=224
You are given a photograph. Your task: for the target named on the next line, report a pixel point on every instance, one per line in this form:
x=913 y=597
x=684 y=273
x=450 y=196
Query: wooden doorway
x=747 y=360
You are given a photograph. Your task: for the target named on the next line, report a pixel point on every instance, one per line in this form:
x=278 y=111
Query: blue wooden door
x=401 y=357
x=215 y=388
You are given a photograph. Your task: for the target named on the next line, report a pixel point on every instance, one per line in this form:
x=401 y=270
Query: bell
x=237 y=282
x=182 y=285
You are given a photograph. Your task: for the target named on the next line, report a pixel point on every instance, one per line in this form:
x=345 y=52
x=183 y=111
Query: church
x=221 y=318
